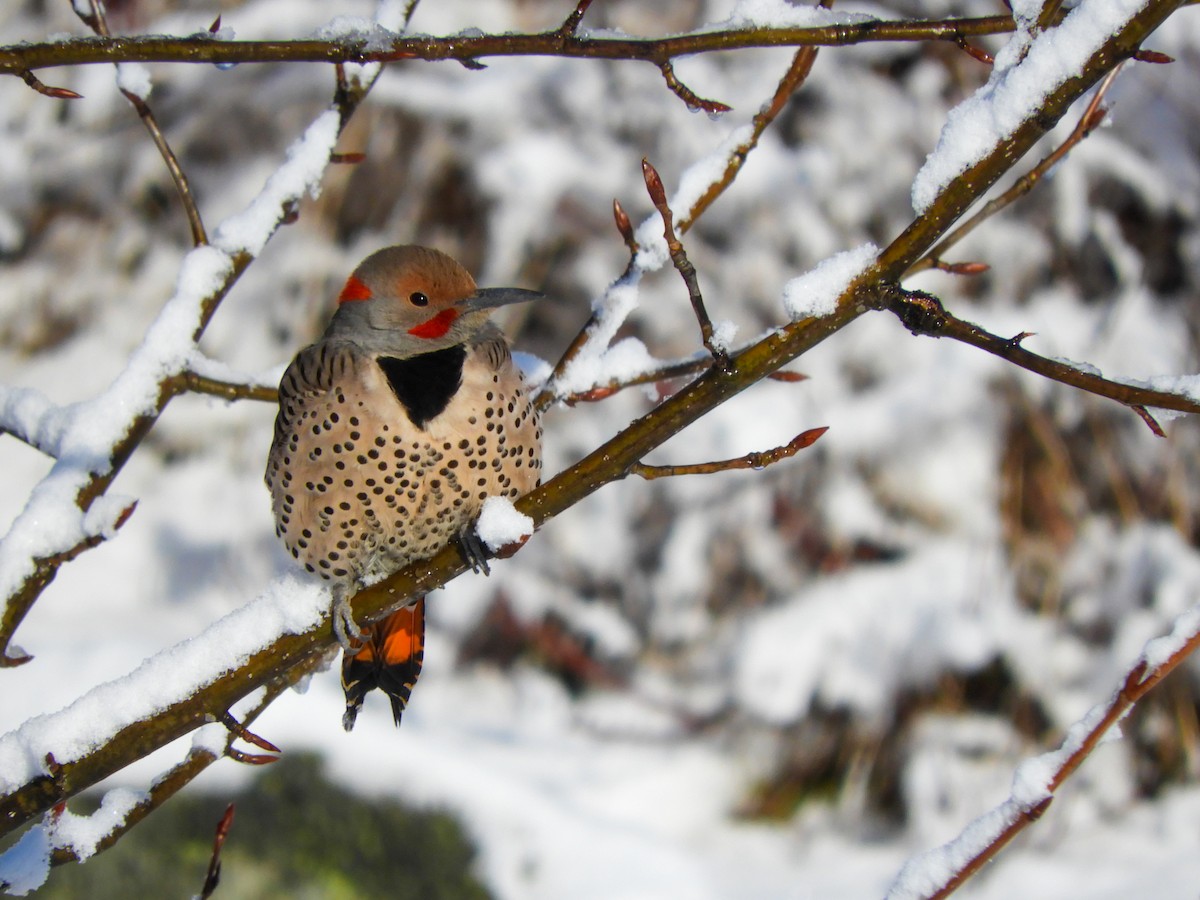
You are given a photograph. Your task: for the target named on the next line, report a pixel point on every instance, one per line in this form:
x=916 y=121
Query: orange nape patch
x=354 y=290
x=437 y=326
x=398 y=638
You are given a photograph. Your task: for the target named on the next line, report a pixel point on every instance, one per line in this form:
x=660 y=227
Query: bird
x=392 y=430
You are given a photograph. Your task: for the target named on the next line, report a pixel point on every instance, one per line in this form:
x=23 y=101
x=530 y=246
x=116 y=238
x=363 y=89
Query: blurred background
x=754 y=684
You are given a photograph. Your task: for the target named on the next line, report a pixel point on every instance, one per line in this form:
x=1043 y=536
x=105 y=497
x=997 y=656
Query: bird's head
x=416 y=298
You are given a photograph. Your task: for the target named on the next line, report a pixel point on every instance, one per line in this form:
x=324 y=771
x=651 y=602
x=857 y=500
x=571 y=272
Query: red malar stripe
x=437 y=326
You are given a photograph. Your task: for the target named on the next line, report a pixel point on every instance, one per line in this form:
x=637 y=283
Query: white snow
x=81 y=834
x=815 y=293
x=290 y=605
x=500 y=524
x=134 y=78
x=783 y=14
x=1025 y=73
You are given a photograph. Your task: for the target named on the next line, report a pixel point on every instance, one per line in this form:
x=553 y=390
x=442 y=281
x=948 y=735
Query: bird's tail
x=390 y=660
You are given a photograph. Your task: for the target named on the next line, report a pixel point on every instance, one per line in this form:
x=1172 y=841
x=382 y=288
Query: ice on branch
x=815 y=293
x=500 y=524
x=1025 y=73
x=290 y=605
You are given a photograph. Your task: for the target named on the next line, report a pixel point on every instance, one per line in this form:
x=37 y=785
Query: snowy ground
x=957 y=519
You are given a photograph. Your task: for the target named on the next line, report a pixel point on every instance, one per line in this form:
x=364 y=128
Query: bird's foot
x=473 y=550
x=345 y=629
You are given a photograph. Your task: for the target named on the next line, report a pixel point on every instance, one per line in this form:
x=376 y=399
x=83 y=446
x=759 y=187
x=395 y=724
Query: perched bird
x=392 y=430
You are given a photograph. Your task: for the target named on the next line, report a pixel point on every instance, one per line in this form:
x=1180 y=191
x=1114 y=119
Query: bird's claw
x=345 y=629
x=473 y=550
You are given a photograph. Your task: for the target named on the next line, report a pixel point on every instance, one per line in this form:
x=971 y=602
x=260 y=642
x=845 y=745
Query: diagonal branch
x=98 y=22
x=939 y=872
x=796 y=75
x=683 y=265
x=1091 y=119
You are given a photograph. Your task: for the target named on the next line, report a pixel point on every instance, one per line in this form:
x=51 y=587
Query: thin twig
x=571 y=25
x=759 y=459
x=213 y=876
x=796 y=75
x=408 y=12
x=237 y=729
x=548 y=393
x=658 y=196
x=58 y=93
x=975 y=52
x=227 y=390
x=687 y=95
x=1088 y=122
x=98 y=22
x=924 y=314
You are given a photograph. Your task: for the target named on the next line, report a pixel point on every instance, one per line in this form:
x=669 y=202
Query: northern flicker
x=392 y=430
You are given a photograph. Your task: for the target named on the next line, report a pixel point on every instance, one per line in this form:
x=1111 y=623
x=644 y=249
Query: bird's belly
x=367 y=492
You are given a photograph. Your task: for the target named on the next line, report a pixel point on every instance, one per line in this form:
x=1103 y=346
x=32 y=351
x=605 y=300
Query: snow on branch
x=92 y=440
x=1027 y=71
x=939 y=872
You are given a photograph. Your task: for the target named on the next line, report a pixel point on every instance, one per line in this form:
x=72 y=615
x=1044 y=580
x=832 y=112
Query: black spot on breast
x=424 y=384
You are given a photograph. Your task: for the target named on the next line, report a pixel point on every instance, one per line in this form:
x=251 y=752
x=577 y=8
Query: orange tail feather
x=390 y=660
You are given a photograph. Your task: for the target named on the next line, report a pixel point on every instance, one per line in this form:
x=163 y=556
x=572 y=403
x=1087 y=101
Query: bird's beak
x=490 y=298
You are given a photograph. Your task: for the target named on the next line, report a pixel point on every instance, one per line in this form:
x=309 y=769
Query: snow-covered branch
x=93 y=439
x=939 y=872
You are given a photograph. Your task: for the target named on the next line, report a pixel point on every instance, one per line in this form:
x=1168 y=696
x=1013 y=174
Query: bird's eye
x=416 y=298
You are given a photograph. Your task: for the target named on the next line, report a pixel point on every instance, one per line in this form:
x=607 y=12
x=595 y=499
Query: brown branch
x=1088 y=122
x=658 y=196
x=571 y=25
x=759 y=459
x=178 y=777
x=46 y=90
x=16 y=58
x=213 y=877
x=1079 y=743
x=98 y=22
x=182 y=185
x=226 y=390
x=687 y=95
x=924 y=314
